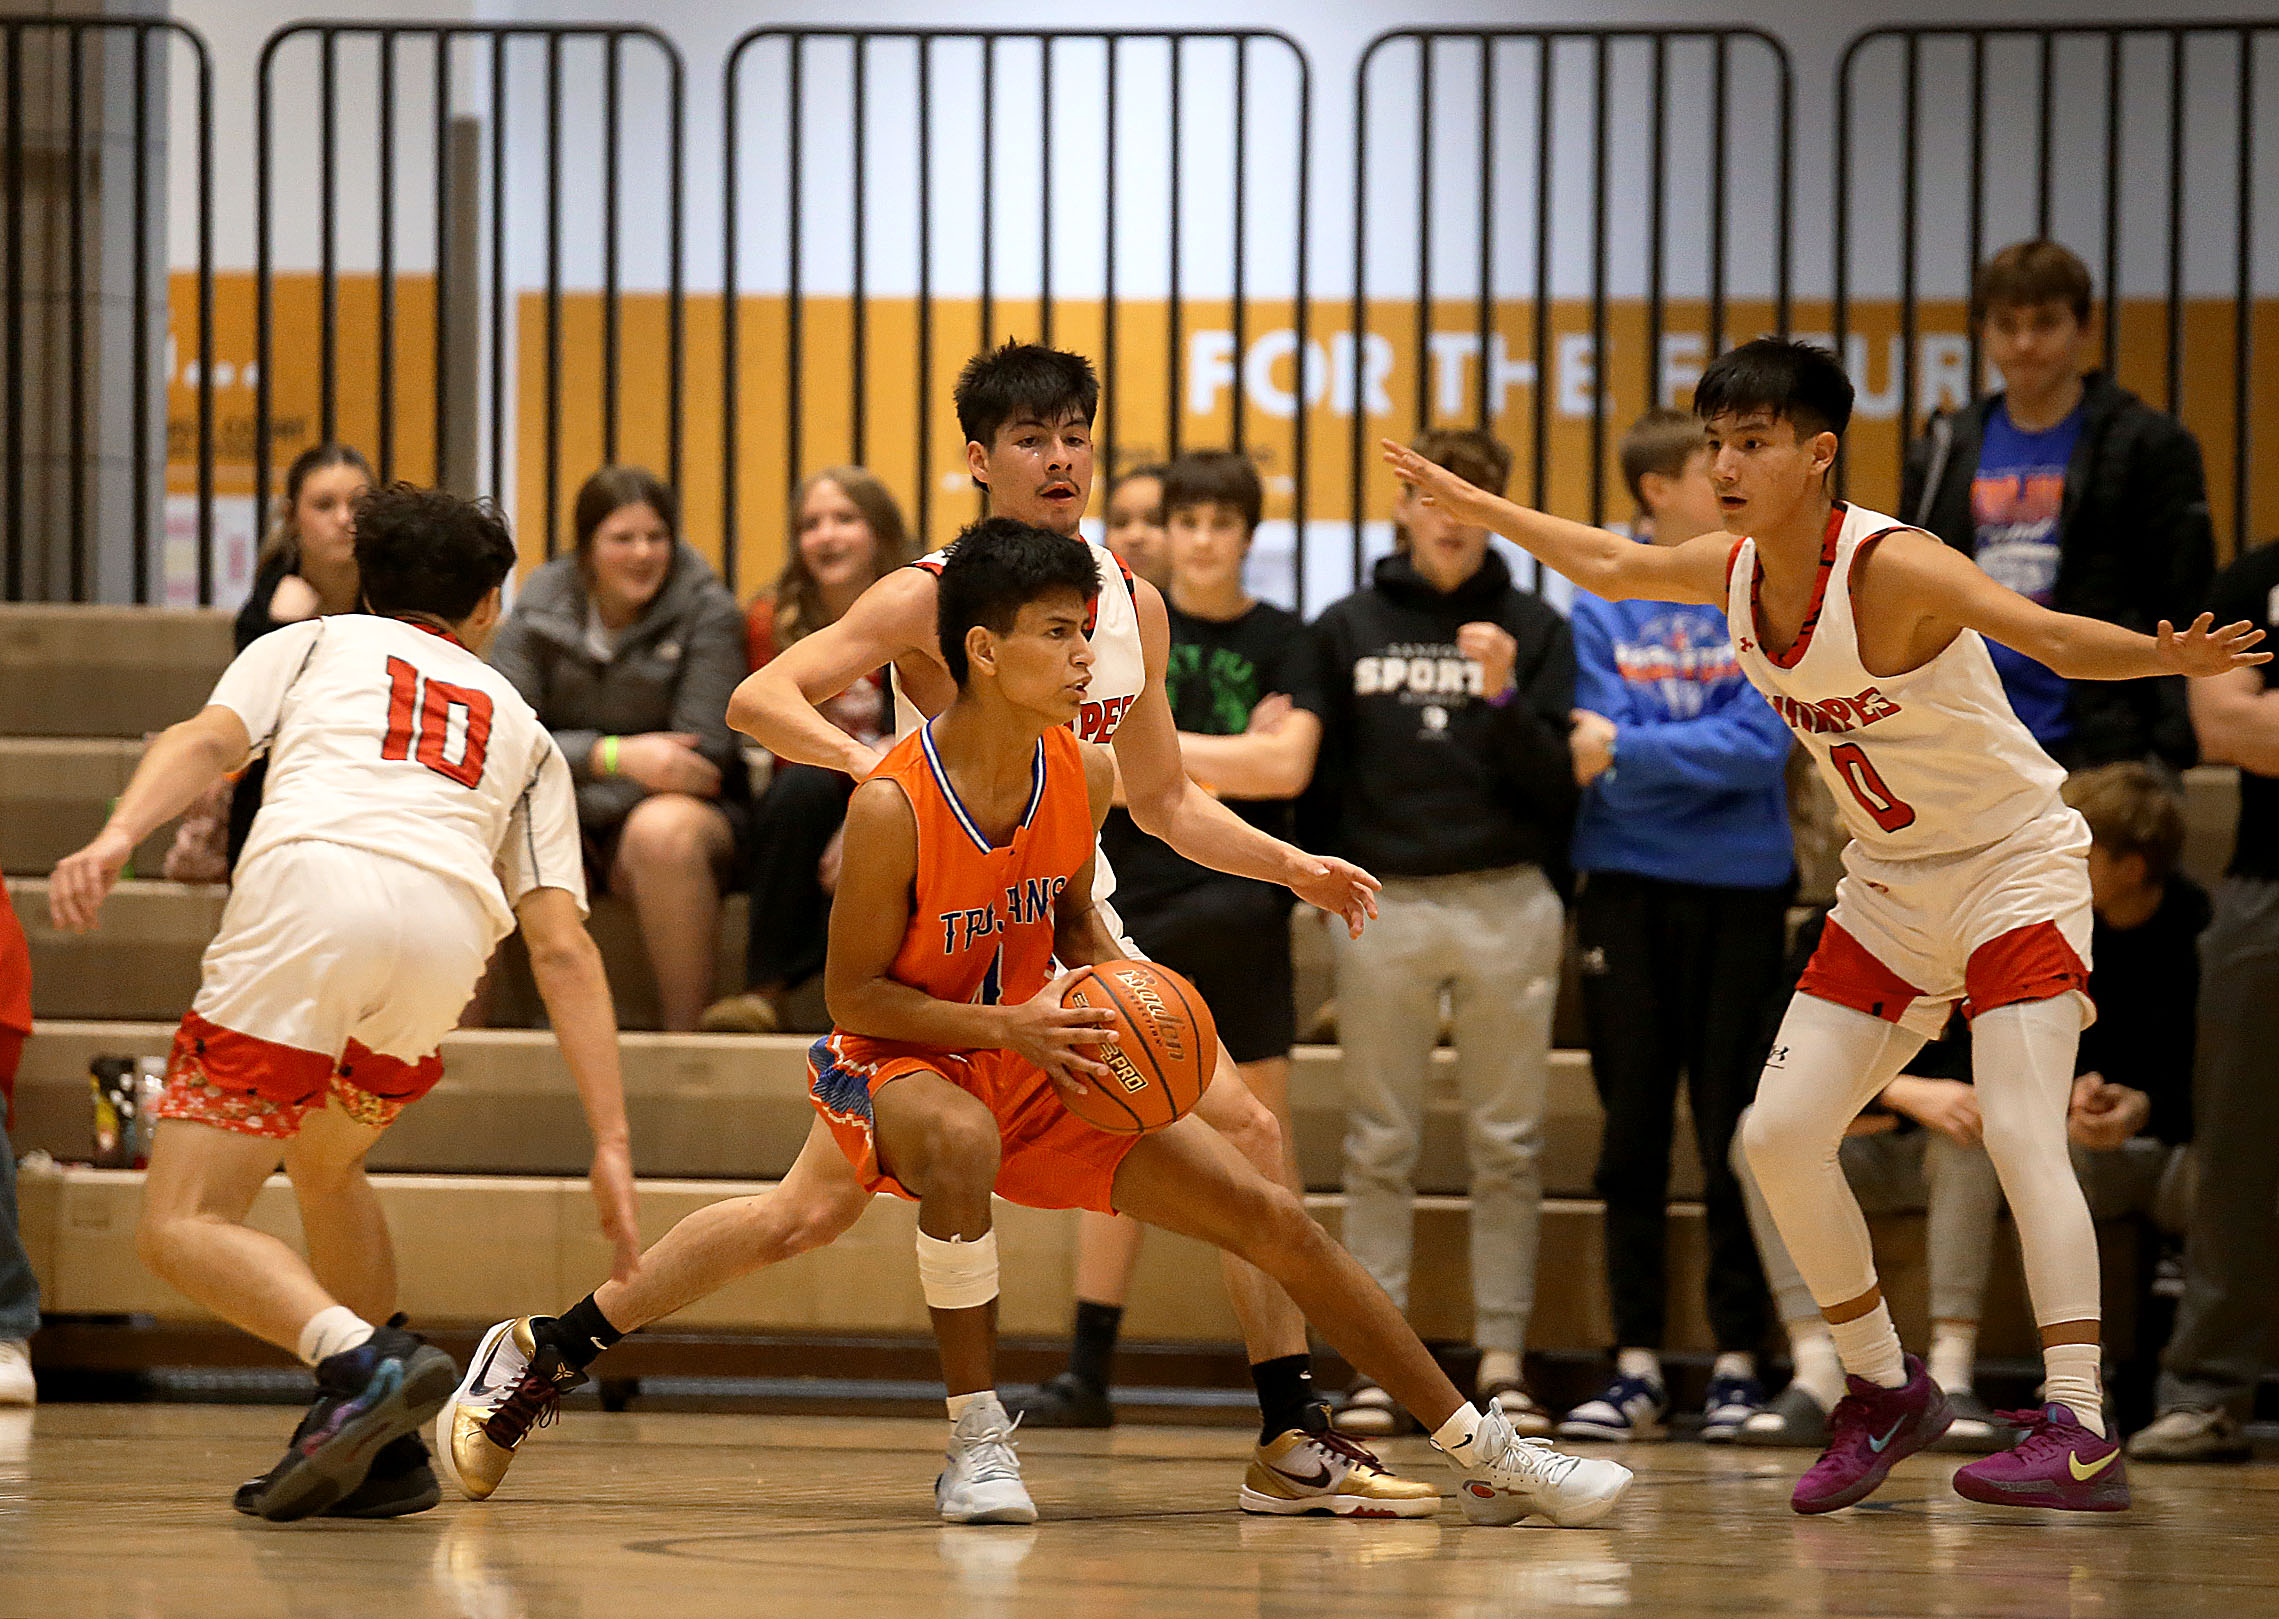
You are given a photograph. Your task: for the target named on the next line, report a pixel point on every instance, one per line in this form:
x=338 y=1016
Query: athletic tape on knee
x=957 y=1274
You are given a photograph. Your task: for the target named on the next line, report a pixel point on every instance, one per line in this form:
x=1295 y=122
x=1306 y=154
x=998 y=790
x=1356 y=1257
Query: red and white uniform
x=413 y=799
x=1966 y=874
x=1119 y=675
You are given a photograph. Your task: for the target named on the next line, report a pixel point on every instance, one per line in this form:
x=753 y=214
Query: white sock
x=959 y=1402
x=1954 y=1353
x=1458 y=1429
x=2076 y=1380
x=1639 y=1363
x=1498 y=1366
x=1868 y=1346
x=331 y=1330
x=1734 y=1363
x=1818 y=1372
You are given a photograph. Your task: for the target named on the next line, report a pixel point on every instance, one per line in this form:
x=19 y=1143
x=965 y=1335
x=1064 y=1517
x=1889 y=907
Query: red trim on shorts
x=276 y=1073
x=2032 y=963
x=377 y=1074
x=1842 y=971
x=1795 y=654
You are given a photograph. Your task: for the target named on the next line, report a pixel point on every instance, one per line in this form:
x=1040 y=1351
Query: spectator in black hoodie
x=1445 y=770
x=2072 y=491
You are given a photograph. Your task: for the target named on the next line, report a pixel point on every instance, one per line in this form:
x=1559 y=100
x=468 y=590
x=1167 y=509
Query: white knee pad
x=957 y=1274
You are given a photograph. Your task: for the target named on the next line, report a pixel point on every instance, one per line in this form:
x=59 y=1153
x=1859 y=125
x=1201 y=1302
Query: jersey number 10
x=429 y=720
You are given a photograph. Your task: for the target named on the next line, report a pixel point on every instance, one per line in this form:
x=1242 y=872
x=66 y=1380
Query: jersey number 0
x=428 y=719
x=1887 y=808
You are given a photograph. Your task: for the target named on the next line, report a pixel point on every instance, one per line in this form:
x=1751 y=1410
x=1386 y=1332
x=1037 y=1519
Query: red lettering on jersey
x=1098 y=722
x=1835 y=715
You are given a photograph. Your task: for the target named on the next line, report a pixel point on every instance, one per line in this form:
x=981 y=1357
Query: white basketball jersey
x=385 y=736
x=1931 y=762
x=1119 y=675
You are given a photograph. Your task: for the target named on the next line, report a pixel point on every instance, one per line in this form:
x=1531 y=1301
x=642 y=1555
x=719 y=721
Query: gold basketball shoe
x=1297 y=1472
x=514 y=1383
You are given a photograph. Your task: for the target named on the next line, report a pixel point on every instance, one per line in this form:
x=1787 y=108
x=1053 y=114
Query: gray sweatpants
x=1491 y=941
x=2231 y=1255
x=1955 y=1187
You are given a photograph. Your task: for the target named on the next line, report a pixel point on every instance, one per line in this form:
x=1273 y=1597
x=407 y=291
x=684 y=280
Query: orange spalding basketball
x=1166 y=1046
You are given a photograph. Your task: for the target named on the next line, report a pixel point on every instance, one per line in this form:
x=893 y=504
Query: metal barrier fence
x=1517 y=194
x=2143 y=159
x=1067 y=134
x=65 y=450
x=451 y=63
x=1492 y=119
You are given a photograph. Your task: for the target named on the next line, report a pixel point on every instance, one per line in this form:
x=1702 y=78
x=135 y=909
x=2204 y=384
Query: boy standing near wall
x=2078 y=495
x=1447 y=694
x=1687 y=864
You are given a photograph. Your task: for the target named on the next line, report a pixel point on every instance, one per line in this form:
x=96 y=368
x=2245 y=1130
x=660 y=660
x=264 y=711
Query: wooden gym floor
x=124 y=1511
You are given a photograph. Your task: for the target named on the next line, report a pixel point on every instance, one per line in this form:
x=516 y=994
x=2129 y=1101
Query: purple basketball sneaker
x=1871 y=1431
x=2058 y=1464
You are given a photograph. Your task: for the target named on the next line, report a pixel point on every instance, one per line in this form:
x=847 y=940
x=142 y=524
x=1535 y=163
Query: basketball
x=1166 y=1045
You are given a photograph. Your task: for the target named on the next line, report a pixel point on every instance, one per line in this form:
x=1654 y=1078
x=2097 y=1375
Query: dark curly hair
x=423 y=551
x=998 y=566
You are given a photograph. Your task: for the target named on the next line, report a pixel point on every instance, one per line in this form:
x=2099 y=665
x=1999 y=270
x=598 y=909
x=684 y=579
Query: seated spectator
x=19 y=1289
x=2221 y=1345
x=1135 y=523
x=1687 y=864
x=1239 y=680
x=2076 y=493
x=846 y=533
x=628 y=649
x=1447 y=694
x=2132 y=1102
x=307 y=567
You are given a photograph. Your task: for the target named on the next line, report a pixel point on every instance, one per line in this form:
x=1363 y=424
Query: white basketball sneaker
x=981 y=1481
x=1507 y=1478
x=16 y=1385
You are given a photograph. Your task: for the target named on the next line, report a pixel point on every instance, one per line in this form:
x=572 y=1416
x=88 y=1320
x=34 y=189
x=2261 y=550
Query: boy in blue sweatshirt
x=1687 y=867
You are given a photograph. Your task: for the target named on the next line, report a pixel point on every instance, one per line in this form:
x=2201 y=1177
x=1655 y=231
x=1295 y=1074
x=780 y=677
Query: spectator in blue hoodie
x=1687 y=867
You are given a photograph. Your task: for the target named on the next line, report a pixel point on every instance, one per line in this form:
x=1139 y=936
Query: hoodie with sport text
x=1423 y=773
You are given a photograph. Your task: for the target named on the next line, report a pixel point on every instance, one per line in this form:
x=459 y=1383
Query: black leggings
x=792 y=823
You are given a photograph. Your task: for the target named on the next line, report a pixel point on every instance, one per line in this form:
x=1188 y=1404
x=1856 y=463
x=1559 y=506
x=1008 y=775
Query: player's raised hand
x=1464 y=502
x=1339 y=887
x=619 y=1207
x=1055 y=1037
x=2203 y=649
x=81 y=881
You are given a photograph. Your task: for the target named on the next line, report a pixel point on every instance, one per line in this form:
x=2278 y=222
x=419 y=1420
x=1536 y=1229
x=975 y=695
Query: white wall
x=1333 y=34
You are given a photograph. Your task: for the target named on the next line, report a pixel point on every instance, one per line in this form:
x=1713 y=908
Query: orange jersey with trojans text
x=981 y=930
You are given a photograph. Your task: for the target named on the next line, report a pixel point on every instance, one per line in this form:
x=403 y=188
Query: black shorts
x=1230 y=937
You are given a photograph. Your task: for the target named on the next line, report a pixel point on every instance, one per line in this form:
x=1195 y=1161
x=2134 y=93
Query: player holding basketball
x=415 y=811
x=1027 y=414
x=1966 y=879
x=969 y=869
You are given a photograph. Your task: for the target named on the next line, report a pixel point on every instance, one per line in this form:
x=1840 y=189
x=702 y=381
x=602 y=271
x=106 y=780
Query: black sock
x=579 y=1333
x=1093 y=1355
x=1286 y=1397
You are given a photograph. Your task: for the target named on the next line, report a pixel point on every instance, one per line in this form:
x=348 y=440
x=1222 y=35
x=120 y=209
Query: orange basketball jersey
x=981 y=916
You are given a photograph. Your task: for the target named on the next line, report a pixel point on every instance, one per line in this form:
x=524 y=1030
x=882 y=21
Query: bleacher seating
x=499 y=1146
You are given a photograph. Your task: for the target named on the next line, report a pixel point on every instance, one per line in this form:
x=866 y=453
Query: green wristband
x=609 y=755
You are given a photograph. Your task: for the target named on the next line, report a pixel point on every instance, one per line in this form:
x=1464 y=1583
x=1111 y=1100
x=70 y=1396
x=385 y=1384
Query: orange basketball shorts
x=1051 y=1159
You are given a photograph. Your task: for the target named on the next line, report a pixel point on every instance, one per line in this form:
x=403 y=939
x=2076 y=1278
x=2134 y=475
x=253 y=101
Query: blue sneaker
x=1732 y=1401
x=1628 y=1408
